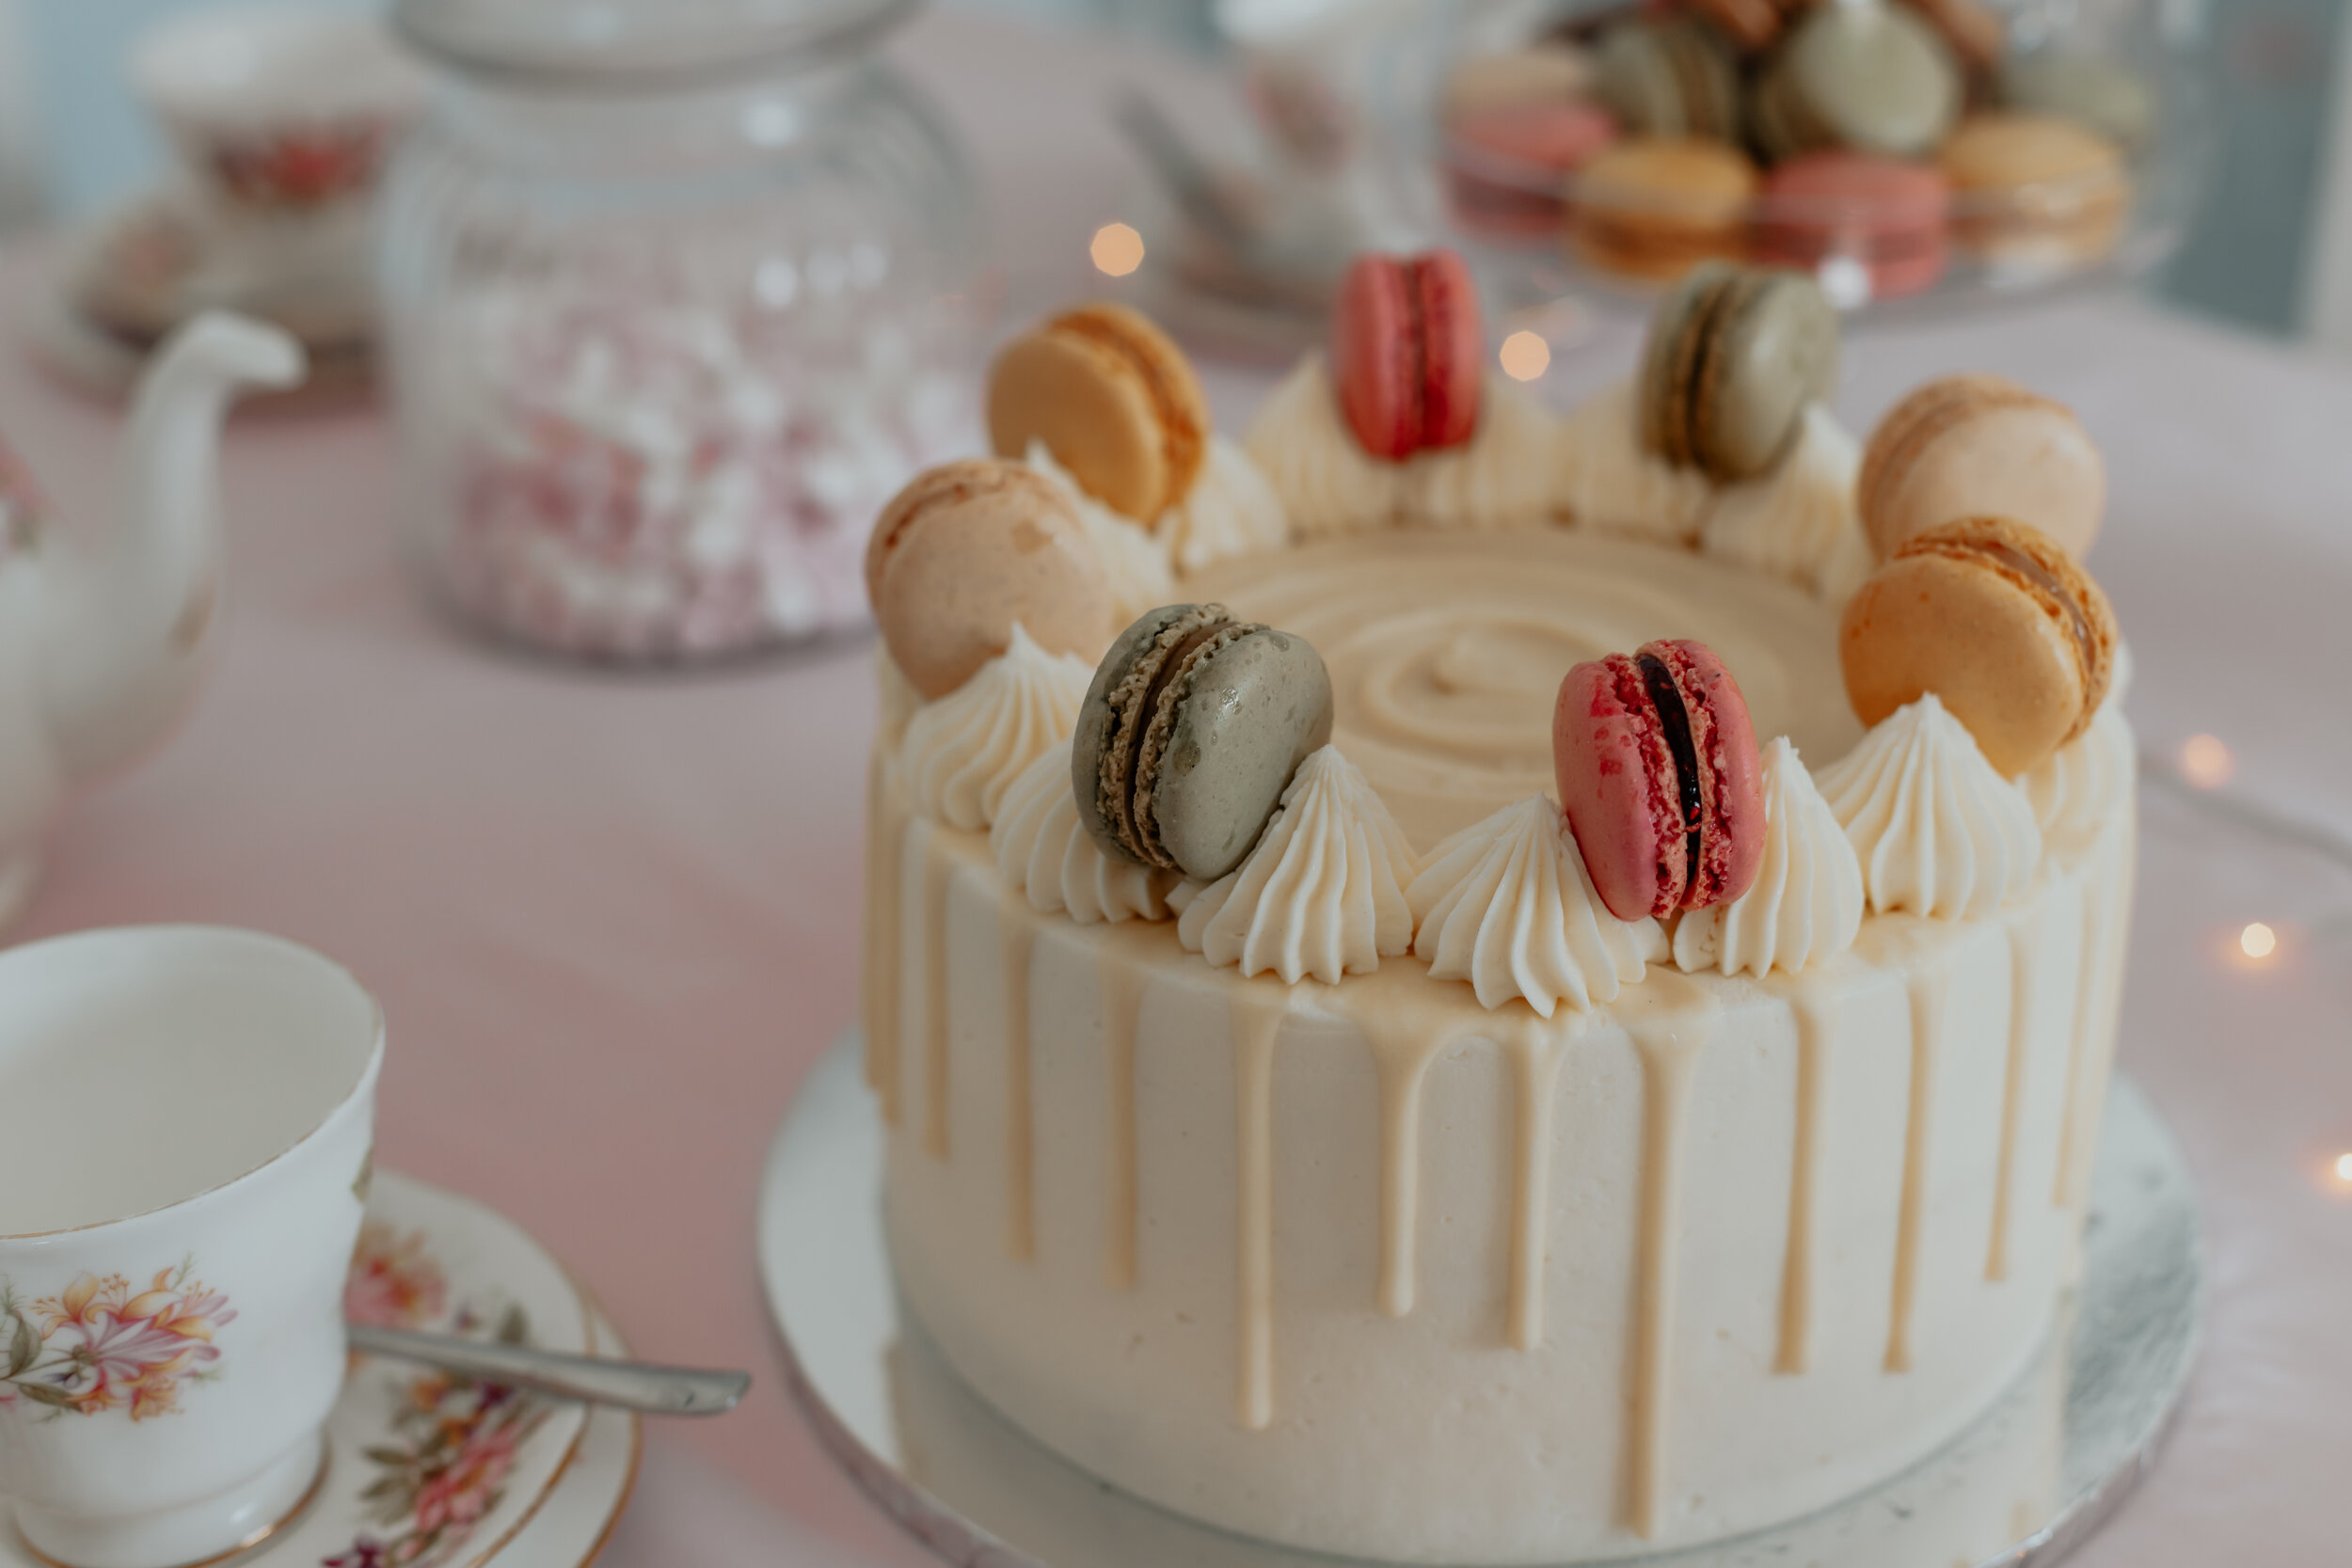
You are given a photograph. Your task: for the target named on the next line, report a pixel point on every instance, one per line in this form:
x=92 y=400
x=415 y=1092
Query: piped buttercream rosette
x=1328 y=485
x=1507 y=905
x=1322 y=893
x=1938 y=832
x=1134 y=558
x=963 y=753
x=1044 y=851
x=1799 y=522
x=1806 y=901
x=1230 y=511
x=1606 y=479
x=2079 y=787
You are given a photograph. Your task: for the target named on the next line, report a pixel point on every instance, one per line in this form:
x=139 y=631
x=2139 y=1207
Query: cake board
x=2067 y=1443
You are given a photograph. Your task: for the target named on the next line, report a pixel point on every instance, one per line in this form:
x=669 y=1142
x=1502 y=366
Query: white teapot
x=101 y=646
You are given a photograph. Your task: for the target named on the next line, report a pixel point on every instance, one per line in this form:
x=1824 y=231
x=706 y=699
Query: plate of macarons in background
x=1910 y=154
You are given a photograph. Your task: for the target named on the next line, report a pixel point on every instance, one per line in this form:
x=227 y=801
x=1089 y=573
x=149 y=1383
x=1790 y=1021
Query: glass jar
x=676 y=294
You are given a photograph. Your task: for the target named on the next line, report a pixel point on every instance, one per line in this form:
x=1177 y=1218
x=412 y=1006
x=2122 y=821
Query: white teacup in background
x=277 y=107
x=186 y=1124
x=283 y=115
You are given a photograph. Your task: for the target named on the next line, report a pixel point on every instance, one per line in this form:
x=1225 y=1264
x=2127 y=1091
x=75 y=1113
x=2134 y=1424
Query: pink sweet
x=642 y=474
x=1655 y=755
x=1506 y=165
x=1884 y=214
x=1407 y=352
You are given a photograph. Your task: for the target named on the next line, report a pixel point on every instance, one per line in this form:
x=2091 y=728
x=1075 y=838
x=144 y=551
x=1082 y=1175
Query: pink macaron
x=1660 y=780
x=1407 y=352
x=1884 y=213
x=1506 y=166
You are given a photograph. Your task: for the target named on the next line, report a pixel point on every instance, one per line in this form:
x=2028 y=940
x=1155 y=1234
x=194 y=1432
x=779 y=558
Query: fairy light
x=1117 y=251
x=2205 y=762
x=1524 y=356
x=2258 y=941
x=2343 y=1167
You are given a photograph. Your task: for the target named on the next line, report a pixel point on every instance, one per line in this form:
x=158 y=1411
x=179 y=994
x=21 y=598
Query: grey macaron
x=1190 y=735
x=1867 y=75
x=1734 y=355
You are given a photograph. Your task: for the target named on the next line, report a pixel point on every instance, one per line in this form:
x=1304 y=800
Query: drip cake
x=1549 y=996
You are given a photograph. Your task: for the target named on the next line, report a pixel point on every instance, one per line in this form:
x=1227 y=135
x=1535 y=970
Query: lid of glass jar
x=602 y=45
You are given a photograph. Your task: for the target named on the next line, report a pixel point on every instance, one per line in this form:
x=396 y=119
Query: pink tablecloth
x=613 y=919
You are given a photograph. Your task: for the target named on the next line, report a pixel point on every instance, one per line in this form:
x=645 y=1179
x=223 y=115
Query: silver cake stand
x=2056 y=1454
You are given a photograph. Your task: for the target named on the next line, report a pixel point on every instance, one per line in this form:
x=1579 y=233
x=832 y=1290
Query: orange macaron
x=1998 y=622
x=2034 y=190
x=1653 y=207
x=1113 y=398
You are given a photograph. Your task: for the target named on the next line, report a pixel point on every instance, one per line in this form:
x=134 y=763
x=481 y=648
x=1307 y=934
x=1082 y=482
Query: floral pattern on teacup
x=302 y=165
x=395 y=1282
x=23 y=508
x=98 y=1345
x=444 y=1465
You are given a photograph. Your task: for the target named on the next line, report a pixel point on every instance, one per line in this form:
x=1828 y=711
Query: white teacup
x=277 y=106
x=186 y=1124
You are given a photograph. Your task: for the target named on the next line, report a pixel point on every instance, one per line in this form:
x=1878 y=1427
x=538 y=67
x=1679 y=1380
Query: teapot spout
x=127 y=624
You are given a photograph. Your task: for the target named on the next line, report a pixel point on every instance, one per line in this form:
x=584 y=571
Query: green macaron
x=1669 y=78
x=1868 y=76
x=1734 y=355
x=1190 y=735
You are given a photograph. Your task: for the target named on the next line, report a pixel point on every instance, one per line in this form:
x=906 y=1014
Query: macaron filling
x=1148 y=738
x=1674 y=717
x=1413 y=344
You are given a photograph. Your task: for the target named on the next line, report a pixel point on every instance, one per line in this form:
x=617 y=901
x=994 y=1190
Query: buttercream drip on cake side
x=1535 y=1050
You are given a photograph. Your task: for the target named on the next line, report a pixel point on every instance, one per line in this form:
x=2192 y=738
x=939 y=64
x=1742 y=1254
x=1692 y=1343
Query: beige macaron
x=968 y=549
x=1994 y=619
x=1978 y=446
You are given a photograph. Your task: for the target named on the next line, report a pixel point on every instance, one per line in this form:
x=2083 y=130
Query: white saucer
x=547 y=1479
x=118 y=285
x=2023 y=1485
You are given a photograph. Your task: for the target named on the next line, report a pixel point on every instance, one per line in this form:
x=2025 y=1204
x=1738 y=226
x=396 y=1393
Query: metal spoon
x=627 y=1384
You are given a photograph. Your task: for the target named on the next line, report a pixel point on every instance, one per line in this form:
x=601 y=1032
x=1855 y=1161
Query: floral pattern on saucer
x=444 y=1465
x=434 y=1459
x=98 y=1345
x=425 y=1470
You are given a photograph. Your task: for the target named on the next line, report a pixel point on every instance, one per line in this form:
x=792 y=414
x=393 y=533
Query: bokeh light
x=2343 y=1167
x=1524 y=356
x=1117 y=249
x=2258 y=941
x=2205 y=762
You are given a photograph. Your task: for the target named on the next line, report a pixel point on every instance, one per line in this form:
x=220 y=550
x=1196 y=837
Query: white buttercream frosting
x=895 y=700
x=1806 y=903
x=1047 y=854
x=1230 y=511
x=1939 y=832
x=962 y=754
x=1329 y=484
x=1501 y=477
x=1135 y=559
x=1507 y=905
x=1323 y=893
x=1604 y=478
x=2082 y=784
x=1799 y=522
